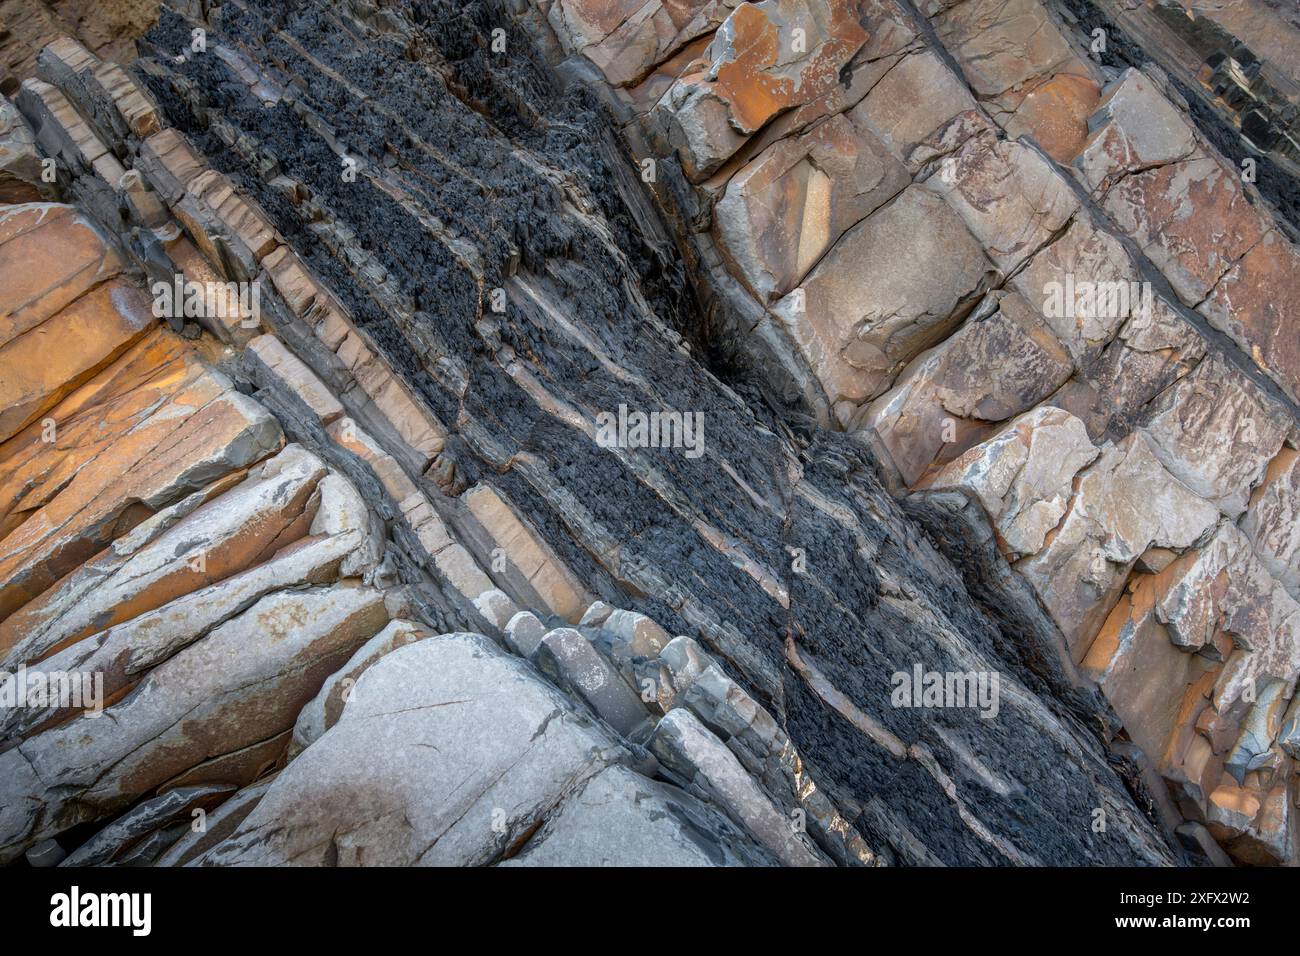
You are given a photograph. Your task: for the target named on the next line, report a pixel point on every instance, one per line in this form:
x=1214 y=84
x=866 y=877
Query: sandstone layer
x=366 y=582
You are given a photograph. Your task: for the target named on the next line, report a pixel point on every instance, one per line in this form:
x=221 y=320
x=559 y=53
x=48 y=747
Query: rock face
x=521 y=488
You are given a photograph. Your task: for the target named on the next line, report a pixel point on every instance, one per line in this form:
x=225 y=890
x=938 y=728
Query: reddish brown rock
x=50 y=255
x=1192 y=220
x=1005 y=47
x=198 y=434
x=47 y=362
x=758 y=66
x=1251 y=301
x=1055 y=114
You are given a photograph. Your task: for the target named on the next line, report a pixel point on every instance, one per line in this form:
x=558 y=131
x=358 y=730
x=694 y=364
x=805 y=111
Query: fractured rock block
x=1055 y=114
x=1024 y=476
x=126 y=652
x=1125 y=503
x=912 y=102
x=113 y=842
x=570 y=660
x=873 y=303
x=50 y=256
x=20 y=160
x=1216 y=431
x=170 y=163
x=791 y=203
x=686 y=747
x=527 y=551
x=200 y=434
x=46 y=363
x=1167 y=209
x=755 y=70
x=270 y=509
x=134 y=106
x=1135 y=127
x=1001 y=362
x=1250 y=304
x=1272 y=520
x=325 y=709
x=1086 y=286
x=1005 y=47
x=625 y=39
x=1010 y=198
x=294 y=374
x=524 y=632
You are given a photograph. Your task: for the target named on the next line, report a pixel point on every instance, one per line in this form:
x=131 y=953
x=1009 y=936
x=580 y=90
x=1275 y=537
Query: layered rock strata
x=405 y=486
x=1027 y=277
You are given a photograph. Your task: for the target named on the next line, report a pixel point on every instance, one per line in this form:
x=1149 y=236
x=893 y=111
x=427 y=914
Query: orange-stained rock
x=43 y=364
x=1256 y=829
x=1160 y=655
x=758 y=67
x=193 y=437
x=169 y=161
x=1056 y=115
x=1146 y=678
x=151 y=566
x=42 y=458
x=1253 y=304
x=49 y=256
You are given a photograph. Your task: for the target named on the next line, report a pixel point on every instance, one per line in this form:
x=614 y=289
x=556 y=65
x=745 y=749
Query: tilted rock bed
x=779 y=550
x=894 y=250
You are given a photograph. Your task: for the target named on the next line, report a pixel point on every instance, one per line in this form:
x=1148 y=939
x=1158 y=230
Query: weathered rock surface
x=813 y=208
x=620 y=818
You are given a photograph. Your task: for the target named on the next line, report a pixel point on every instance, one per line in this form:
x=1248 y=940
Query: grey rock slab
x=620 y=818
x=569 y=659
x=451 y=753
x=141 y=820
x=686 y=747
